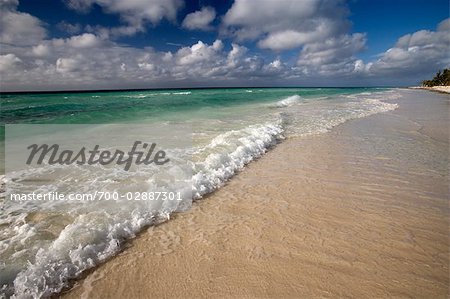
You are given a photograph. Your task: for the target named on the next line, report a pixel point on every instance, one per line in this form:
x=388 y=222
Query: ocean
x=44 y=245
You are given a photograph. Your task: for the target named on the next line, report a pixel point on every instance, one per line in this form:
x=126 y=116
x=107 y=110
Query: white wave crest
x=230 y=152
x=95 y=236
x=289 y=101
x=182 y=93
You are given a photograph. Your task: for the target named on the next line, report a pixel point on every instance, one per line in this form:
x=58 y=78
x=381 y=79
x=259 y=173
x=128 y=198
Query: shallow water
x=44 y=245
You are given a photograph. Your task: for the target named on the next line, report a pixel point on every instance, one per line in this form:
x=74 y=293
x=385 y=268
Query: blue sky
x=102 y=44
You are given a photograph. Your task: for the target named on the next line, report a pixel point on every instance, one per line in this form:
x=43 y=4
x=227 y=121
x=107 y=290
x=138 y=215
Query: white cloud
x=146 y=66
x=332 y=56
x=359 y=66
x=422 y=52
x=289 y=39
x=134 y=12
x=253 y=18
x=217 y=45
x=17 y=28
x=236 y=53
x=41 y=50
x=8 y=62
x=444 y=26
x=198 y=53
x=109 y=65
x=200 y=20
x=276 y=64
x=66 y=65
x=285 y=24
x=86 y=40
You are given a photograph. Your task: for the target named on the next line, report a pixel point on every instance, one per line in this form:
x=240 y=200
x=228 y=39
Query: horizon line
x=181 y=88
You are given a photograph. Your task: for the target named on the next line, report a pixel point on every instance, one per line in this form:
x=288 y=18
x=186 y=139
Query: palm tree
x=442 y=78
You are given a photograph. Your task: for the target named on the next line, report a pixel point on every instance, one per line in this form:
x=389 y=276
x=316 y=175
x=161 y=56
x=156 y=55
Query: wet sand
x=360 y=212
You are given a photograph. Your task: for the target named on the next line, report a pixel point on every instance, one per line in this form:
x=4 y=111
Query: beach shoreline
x=441 y=89
x=345 y=213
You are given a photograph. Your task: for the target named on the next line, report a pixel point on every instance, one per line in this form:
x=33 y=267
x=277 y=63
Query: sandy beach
x=443 y=89
x=359 y=212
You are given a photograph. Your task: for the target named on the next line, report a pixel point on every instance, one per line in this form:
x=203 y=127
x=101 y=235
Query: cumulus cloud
x=86 y=40
x=8 y=62
x=146 y=66
x=41 y=50
x=67 y=65
x=236 y=53
x=134 y=12
x=332 y=56
x=200 y=20
x=285 y=24
x=18 y=28
x=318 y=28
x=421 y=52
x=86 y=61
x=289 y=39
x=199 y=52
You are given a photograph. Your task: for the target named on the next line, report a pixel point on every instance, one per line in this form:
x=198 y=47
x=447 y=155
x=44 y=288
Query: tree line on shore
x=442 y=78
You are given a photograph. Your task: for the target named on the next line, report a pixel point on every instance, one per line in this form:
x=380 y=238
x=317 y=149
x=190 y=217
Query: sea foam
x=289 y=101
x=95 y=236
x=230 y=152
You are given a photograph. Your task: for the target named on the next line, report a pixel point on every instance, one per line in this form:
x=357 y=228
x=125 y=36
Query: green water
x=126 y=106
x=216 y=110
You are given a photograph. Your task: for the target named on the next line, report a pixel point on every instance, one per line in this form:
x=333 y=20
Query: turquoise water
x=146 y=106
x=44 y=245
x=129 y=106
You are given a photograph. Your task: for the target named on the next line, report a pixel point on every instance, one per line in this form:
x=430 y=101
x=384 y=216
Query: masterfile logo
x=54 y=155
x=102 y=162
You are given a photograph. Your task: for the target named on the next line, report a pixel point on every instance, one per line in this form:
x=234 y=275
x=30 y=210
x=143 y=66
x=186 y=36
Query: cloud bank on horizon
x=251 y=43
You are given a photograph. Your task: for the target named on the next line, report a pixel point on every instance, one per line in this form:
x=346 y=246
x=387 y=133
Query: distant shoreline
x=441 y=89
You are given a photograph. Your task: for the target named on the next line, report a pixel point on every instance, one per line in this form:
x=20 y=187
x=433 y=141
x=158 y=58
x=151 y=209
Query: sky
x=118 y=44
